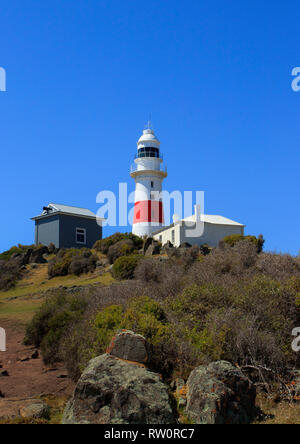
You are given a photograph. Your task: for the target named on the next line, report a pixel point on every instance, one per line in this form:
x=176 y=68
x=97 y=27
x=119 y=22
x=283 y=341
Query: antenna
x=149 y=123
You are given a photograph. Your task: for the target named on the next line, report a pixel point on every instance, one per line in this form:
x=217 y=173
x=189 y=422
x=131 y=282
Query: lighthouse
x=148 y=174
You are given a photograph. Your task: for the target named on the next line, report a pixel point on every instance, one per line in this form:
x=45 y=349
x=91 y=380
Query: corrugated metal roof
x=72 y=210
x=54 y=208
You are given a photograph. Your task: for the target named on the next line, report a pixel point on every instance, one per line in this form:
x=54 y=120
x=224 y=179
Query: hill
x=194 y=306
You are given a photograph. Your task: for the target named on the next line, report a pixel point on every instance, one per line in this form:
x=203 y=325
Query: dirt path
x=30 y=378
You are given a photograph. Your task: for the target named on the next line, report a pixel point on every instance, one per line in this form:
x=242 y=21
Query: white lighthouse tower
x=148 y=176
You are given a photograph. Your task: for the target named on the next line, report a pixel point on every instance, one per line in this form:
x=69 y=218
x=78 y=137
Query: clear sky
x=83 y=76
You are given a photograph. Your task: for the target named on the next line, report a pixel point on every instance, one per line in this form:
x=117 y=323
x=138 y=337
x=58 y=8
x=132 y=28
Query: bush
x=235 y=238
x=50 y=323
x=72 y=261
x=145 y=317
x=107 y=323
x=20 y=249
x=148 y=270
x=103 y=245
x=122 y=248
x=10 y=273
x=232 y=304
x=124 y=267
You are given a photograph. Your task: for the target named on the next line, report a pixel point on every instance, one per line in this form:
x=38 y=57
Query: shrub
x=124 y=267
x=10 y=273
x=72 y=261
x=148 y=270
x=235 y=238
x=107 y=323
x=103 y=245
x=51 y=321
x=122 y=248
x=20 y=249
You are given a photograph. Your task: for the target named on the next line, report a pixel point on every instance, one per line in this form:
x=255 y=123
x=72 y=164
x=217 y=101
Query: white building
x=148 y=220
x=199 y=229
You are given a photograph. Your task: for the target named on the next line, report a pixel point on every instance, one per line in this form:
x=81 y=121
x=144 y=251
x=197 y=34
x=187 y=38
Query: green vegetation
x=20 y=249
x=72 y=261
x=234 y=302
x=124 y=267
x=236 y=238
x=103 y=245
x=51 y=322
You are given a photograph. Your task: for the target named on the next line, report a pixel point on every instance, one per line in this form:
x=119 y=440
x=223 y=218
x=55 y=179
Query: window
x=173 y=236
x=81 y=236
x=152 y=184
x=148 y=152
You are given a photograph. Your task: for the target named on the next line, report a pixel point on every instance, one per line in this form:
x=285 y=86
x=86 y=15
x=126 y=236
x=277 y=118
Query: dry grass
x=57 y=406
x=21 y=302
x=278 y=413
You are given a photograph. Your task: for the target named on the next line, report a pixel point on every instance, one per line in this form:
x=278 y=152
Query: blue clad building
x=67 y=227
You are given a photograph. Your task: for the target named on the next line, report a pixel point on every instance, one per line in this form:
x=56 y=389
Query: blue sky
x=83 y=76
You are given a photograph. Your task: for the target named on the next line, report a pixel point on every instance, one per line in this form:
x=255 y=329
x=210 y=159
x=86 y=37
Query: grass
x=57 y=406
x=278 y=413
x=21 y=302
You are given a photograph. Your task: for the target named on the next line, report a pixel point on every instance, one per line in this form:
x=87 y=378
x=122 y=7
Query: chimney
x=175 y=219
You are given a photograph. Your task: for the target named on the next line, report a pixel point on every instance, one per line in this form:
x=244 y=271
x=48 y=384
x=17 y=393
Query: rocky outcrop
x=37 y=255
x=129 y=346
x=23 y=408
x=151 y=247
x=115 y=390
x=220 y=394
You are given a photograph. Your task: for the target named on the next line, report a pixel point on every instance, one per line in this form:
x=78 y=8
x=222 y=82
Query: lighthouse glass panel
x=148 y=152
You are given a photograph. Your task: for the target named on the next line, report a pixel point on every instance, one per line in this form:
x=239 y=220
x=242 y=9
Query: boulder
x=12 y=408
x=147 y=244
x=37 y=255
x=220 y=394
x=113 y=391
x=166 y=247
x=153 y=249
x=129 y=346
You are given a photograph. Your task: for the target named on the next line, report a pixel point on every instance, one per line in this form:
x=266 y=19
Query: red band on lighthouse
x=148 y=211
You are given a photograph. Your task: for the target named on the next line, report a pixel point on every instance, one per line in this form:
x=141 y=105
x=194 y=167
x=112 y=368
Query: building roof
x=54 y=208
x=206 y=218
x=213 y=219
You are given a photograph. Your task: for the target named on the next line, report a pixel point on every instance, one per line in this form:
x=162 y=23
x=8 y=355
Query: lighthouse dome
x=148 y=139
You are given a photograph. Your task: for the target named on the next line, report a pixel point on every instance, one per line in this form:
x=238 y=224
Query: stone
x=147 y=244
x=153 y=249
x=12 y=408
x=36 y=409
x=220 y=394
x=129 y=346
x=35 y=355
x=113 y=391
x=23 y=359
x=63 y=376
x=166 y=247
x=37 y=255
